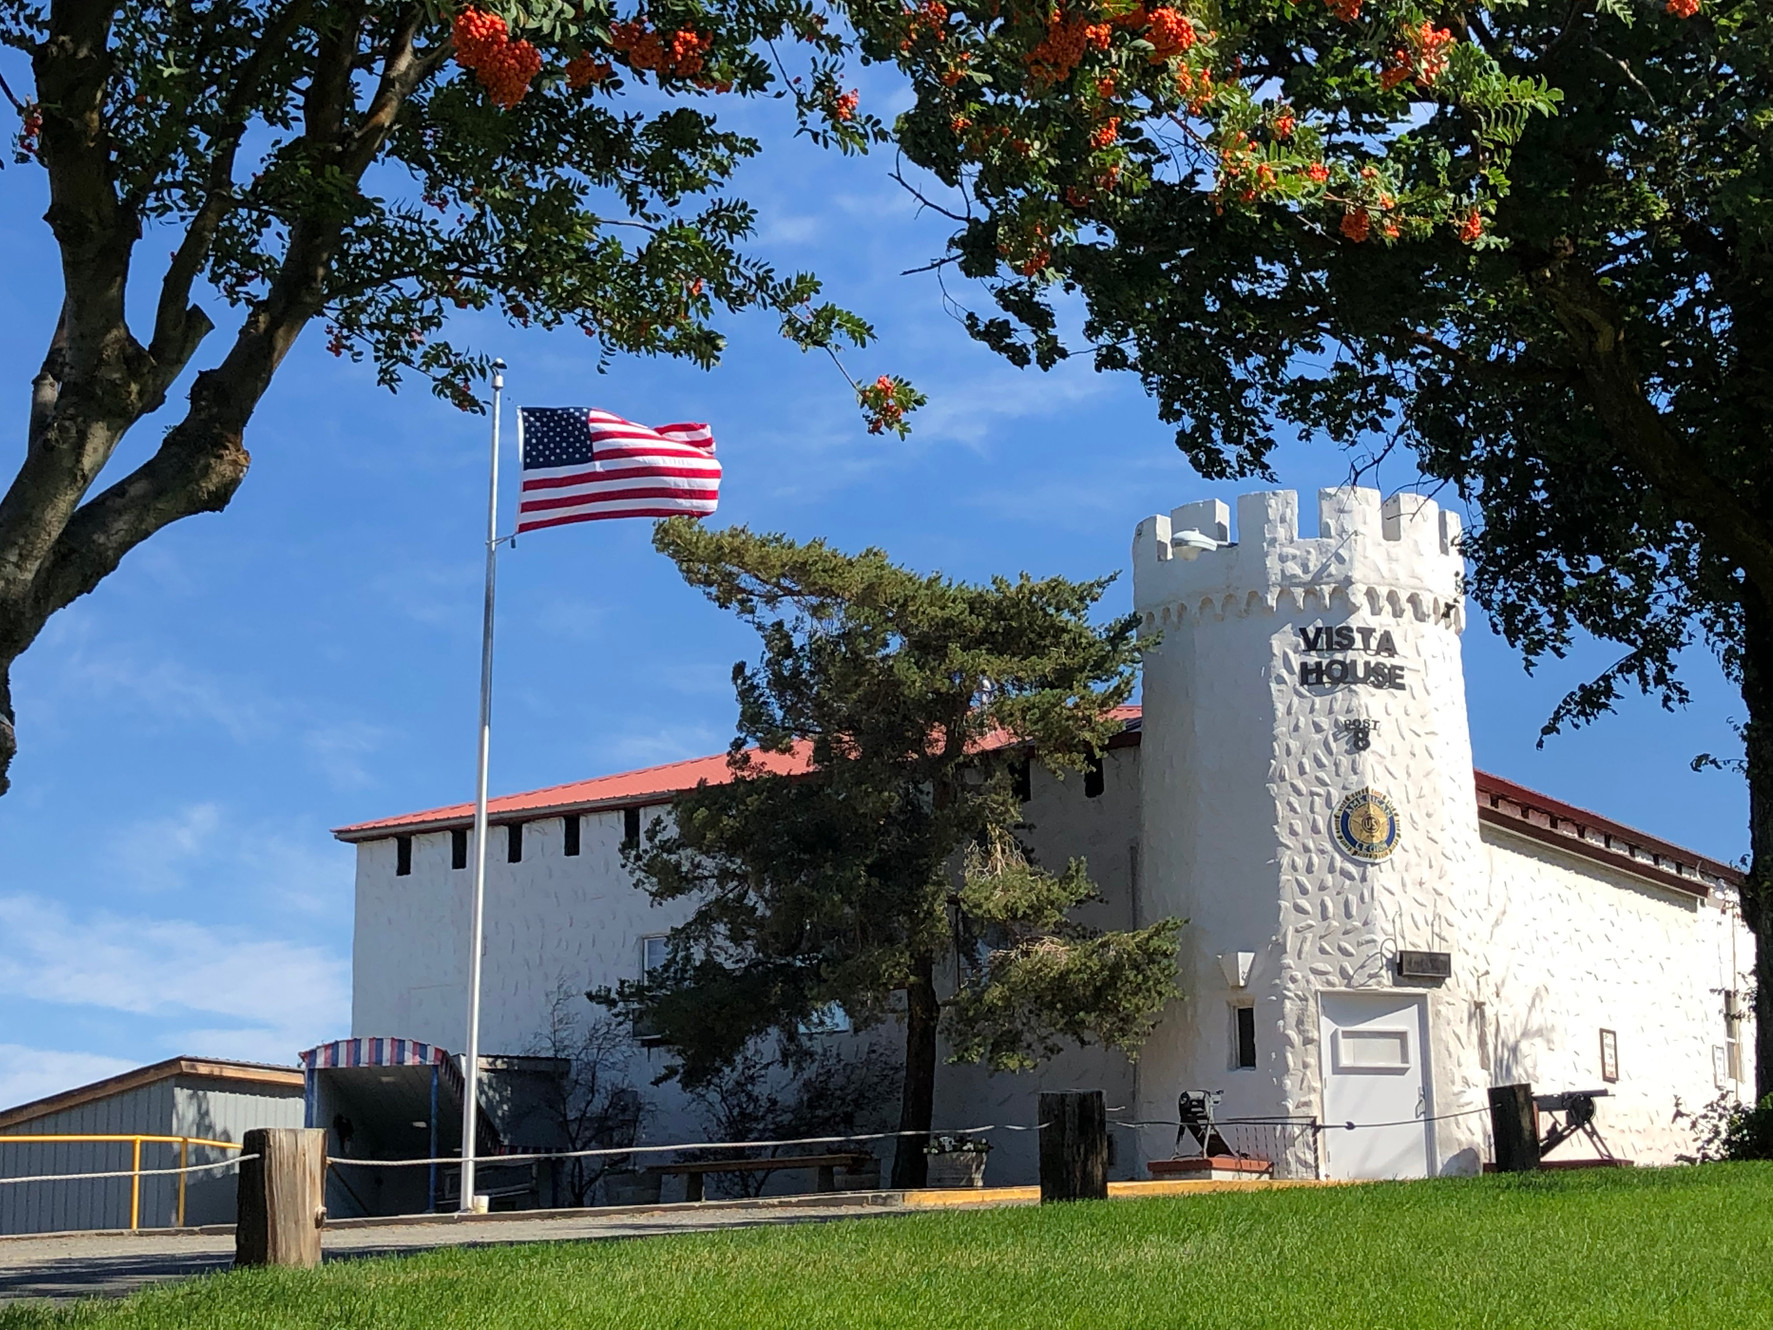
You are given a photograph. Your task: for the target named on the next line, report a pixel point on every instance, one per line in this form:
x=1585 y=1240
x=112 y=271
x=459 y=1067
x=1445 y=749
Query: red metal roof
x=627 y=789
x=1501 y=803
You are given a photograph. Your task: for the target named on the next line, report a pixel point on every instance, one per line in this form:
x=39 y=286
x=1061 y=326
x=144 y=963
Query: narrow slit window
x=1022 y=780
x=571 y=822
x=458 y=848
x=1094 y=780
x=631 y=828
x=514 y=842
x=403 y=856
x=1243 y=1037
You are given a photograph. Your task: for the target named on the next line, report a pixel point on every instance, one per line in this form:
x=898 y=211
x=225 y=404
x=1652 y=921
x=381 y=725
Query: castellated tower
x=1308 y=807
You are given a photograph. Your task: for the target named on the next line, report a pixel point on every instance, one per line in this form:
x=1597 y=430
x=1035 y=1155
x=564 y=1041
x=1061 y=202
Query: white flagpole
x=471 y=1063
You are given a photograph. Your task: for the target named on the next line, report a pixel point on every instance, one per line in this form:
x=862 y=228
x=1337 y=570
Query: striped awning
x=375 y=1052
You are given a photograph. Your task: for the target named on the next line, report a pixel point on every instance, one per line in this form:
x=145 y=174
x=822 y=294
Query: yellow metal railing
x=136 y=1141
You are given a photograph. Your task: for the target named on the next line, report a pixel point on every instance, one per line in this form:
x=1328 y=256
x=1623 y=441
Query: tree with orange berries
x=1531 y=242
x=371 y=166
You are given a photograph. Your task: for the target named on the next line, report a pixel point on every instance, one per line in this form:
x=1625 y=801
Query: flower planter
x=959 y=1168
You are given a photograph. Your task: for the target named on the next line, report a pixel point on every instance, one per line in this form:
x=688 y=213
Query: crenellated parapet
x=1398 y=557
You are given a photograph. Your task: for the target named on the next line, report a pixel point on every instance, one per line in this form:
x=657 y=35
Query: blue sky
x=190 y=731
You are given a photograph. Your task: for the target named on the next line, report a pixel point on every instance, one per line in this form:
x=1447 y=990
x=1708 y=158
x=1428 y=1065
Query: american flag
x=583 y=465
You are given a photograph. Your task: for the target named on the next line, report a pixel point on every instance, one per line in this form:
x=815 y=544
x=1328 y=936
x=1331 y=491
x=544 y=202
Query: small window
x=1093 y=778
x=1243 y=1025
x=458 y=848
x=1733 y=1036
x=514 y=842
x=630 y=828
x=571 y=822
x=1022 y=779
x=828 y=1019
x=652 y=954
x=403 y=856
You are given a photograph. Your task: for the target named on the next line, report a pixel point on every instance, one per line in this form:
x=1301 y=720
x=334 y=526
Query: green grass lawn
x=1666 y=1248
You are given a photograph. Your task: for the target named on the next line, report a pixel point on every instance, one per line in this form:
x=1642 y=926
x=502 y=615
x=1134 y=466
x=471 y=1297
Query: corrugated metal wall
x=52 y=1207
x=186 y=1106
x=225 y=1111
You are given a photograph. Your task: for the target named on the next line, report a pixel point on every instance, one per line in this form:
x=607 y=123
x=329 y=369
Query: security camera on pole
x=577 y=464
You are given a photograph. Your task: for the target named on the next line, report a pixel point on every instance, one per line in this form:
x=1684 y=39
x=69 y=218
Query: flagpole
x=471 y=1062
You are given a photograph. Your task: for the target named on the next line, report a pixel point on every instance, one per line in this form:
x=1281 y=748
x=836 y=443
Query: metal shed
x=191 y=1099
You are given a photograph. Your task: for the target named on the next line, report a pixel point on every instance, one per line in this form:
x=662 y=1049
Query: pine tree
x=909 y=700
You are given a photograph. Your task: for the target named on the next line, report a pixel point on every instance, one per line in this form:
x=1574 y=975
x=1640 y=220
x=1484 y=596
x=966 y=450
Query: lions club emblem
x=1366 y=825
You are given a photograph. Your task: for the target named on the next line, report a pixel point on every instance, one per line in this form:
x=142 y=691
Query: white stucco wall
x=1244 y=765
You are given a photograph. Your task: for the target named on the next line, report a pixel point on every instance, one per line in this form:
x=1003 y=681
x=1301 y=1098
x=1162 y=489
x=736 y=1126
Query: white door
x=1375 y=1072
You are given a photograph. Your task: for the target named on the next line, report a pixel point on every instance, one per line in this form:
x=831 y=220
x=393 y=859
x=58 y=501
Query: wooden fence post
x=1514 y=1126
x=1073 y=1146
x=282 y=1195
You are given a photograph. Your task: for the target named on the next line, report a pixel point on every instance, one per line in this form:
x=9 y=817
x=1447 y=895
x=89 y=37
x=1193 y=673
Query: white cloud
x=669 y=743
x=174 y=969
x=33 y=1073
x=206 y=850
x=339 y=747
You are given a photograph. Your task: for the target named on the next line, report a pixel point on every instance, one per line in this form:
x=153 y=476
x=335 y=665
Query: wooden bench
x=696 y=1170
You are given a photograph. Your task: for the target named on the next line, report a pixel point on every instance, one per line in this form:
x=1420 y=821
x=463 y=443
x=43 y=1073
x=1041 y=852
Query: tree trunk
x=8 y=734
x=1757 y=894
x=922 y=1016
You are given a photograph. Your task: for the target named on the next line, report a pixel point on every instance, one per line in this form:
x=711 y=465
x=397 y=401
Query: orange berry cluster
x=1346 y=10
x=504 y=67
x=1357 y=224
x=1170 y=34
x=1066 y=40
x=1472 y=227
x=844 y=106
x=583 y=70
x=1106 y=133
x=1423 y=57
x=1682 y=8
x=929 y=19
x=1284 y=125
x=679 y=54
x=885 y=411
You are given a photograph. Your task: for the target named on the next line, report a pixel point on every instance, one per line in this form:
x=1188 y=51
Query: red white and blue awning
x=378 y=1051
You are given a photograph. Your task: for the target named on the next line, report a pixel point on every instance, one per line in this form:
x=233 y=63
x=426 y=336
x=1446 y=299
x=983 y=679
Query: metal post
x=135 y=1184
x=431 y=1188
x=471 y=1064
x=184 y=1162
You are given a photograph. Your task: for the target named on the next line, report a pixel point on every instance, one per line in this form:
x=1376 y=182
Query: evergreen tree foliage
x=888 y=863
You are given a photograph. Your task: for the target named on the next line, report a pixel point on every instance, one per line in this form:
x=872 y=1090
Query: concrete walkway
x=61 y=1266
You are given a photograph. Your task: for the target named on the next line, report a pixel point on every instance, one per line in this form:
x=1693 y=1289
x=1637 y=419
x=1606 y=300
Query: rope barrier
x=1312 y=1123
x=133 y=1173
x=689 y=1145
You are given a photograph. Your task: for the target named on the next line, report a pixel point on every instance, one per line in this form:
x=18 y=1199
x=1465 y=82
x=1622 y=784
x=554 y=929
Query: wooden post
x=1514 y=1126
x=1073 y=1146
x=282 y=1197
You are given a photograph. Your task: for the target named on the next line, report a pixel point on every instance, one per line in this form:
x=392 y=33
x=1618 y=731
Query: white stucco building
x=1376 y=932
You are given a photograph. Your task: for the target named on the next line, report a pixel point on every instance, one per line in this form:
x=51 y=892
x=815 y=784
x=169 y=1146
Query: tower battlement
x=1401 y=552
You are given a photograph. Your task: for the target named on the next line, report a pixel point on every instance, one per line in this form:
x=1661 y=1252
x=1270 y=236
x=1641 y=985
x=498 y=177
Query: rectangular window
x=1093 y=778
x=652 y=954
x=1243 y=1025
x=403 y=856
x=1022 y=779
x=1732 y=1035
x=458 y=848
x=630 y=828
x=571 y=822
x=513 y=842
